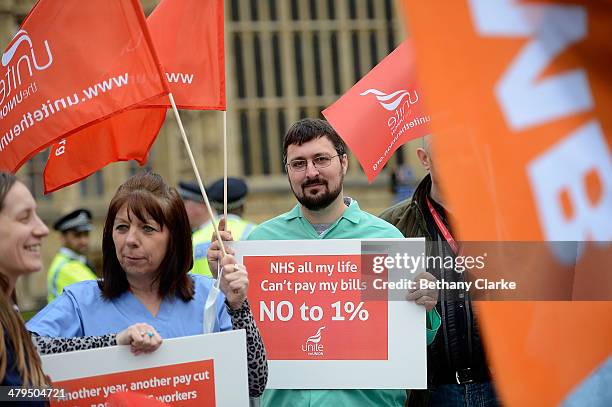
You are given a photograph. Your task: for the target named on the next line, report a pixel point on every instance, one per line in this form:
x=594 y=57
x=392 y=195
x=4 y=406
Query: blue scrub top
x=82 y=311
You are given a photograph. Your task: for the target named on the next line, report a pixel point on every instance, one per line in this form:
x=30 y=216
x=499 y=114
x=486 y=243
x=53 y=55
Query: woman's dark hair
x=305 y=130
x=147 y=195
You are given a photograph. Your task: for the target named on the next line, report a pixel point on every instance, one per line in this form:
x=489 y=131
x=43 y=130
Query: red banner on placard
x=319 y=301
x=183 y=384
x=382 y=111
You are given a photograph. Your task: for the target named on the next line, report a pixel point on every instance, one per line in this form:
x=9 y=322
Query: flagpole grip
x=197 y=173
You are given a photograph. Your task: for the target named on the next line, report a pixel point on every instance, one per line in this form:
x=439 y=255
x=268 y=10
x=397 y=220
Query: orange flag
x=381 y=112
x=72 y=63
x=188 y=38
x=523 y=144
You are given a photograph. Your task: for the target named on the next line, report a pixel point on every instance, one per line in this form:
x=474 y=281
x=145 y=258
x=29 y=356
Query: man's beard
x=321 y=201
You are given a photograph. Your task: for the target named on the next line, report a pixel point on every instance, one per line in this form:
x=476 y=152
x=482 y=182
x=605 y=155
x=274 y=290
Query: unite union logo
x=20 y=63
x=392 y=100
x=313 y=345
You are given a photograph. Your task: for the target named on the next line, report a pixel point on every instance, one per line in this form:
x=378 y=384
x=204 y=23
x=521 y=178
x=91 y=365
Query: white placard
x=405 y=366
x=227 y=350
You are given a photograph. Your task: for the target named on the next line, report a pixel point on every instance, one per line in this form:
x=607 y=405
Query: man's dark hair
x=148 y=194
x=305 y=130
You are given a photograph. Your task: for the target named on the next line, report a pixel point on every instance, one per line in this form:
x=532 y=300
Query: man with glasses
x=316 y=161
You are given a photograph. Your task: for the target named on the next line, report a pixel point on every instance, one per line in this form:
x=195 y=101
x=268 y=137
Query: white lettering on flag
x=525 y=98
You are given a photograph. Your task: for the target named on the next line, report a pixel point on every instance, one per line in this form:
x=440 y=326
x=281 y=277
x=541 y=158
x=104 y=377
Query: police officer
x=200 y=220
x=70 y=265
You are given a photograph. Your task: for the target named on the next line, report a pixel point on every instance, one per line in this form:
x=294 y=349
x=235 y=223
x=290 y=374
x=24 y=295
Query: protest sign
x=200 y=370
x=328 y=320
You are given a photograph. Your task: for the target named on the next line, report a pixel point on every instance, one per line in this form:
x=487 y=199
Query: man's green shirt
x=353 y=224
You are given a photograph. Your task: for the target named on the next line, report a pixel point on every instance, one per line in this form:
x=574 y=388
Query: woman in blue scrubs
x=22 y=233
x=147 y=254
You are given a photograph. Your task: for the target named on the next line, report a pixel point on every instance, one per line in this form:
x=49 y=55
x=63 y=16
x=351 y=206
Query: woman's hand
x=143 y=338
x=214 y=253
x=234 y=282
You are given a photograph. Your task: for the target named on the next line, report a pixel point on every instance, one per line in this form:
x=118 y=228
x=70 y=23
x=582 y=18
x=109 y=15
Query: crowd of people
x=160 y=258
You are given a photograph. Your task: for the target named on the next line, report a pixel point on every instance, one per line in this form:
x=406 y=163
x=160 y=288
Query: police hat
x=78 y=220
x=190 y=191
x=236 y=193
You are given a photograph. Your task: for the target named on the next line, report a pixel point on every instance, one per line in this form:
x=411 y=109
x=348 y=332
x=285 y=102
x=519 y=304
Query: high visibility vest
x=66 y=269
x=201 y=241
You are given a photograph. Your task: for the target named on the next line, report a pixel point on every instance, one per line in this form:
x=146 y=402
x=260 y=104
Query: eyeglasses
x=320 y=161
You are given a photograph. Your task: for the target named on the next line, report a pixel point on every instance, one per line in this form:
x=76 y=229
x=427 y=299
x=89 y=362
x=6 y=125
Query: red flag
x=381 y=112
x=523 y=152
x=72 y=64
x=188 y=37
x=126 y=136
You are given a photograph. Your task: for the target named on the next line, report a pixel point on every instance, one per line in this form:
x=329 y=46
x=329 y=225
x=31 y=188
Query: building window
x=293 y=58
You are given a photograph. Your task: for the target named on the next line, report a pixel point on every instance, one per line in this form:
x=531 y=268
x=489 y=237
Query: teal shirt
x=353 y=224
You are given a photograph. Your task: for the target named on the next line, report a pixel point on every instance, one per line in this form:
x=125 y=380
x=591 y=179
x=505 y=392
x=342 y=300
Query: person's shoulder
x=395 y=212
x=73 y=264
x=269 y=228
x=87 y=291
x=202 y=281
x=378 y=227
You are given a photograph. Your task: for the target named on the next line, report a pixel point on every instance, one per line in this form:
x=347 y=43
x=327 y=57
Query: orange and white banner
x=71 y=64
x=522 y=148
x=312 y=297
x=382 y=111
x=200 y=370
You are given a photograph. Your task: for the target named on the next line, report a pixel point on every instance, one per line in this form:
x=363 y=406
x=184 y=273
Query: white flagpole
x=195 y=170
x=225 y=165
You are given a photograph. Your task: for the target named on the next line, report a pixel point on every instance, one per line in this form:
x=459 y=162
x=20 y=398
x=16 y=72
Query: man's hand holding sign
x=427 y=297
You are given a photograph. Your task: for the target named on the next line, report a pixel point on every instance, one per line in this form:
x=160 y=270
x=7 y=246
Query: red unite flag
x=189 y=40
x=126 y=136
x=382 y=111
x=73 y=64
